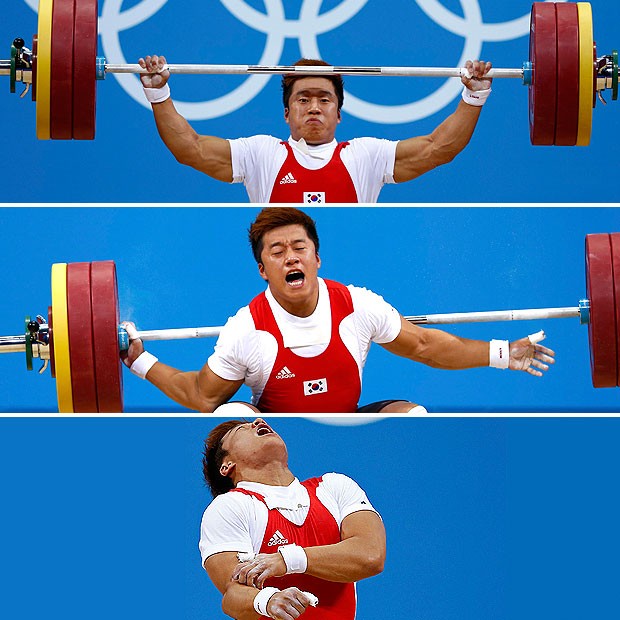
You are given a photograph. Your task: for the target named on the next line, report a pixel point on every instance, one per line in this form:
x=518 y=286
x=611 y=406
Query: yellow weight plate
x=62 y=360
x=44 y=68
x=586 y=73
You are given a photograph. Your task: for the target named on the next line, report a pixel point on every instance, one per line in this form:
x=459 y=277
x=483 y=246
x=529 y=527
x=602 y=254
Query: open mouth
x=263 y=429
x=295 y=279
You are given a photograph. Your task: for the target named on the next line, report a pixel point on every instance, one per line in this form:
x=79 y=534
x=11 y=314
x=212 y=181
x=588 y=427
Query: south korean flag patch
x=316 y=386
x=314 y=198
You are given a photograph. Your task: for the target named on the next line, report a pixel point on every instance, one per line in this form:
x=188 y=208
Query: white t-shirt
x=244 y=353
x=257 y=160
x=237 y=522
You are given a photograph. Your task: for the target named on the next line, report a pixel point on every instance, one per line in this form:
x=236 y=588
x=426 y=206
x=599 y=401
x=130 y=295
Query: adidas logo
x=277 y=539
x=288 y=178
x=285 y=373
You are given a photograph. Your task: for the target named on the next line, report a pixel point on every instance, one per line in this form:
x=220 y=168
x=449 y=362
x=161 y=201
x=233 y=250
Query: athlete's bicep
x=219 y=567
x=367 y=529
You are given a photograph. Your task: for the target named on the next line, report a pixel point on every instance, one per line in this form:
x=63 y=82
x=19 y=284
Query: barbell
x=564 y=75
x=82 y=339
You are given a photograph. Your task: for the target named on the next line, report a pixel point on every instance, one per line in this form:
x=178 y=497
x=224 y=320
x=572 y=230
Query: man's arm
x=440 y=349
x=238 y=599
x=201 y=391
x=418 y=155
x=207 y=154
x=198 y=390
x=359 y=554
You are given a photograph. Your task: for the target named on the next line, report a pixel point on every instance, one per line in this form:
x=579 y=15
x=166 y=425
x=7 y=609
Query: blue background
x=128 y=163
x=486 y=518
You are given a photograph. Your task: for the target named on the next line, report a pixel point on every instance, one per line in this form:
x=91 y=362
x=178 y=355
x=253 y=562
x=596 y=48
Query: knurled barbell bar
x=563 y=74
x=82 y=337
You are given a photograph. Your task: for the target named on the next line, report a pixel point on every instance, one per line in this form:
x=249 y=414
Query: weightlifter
x=312 y=167
x=302 y=344
x=318 y=536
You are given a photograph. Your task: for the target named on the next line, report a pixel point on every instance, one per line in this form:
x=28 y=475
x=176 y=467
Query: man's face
x=290 y=264
x=313 y=110
x=252 y=445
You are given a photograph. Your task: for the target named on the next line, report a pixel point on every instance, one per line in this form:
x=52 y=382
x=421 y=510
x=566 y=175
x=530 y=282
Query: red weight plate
x=83 y=382
x=35 y=49
x=61 y=82
x=50 y=336
x=602 y=326
x=108 y=367
x=85 y=69
x=567 y=103
x=615 y=258
x=543 y=56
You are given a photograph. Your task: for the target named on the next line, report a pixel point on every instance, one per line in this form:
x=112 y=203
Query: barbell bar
x=83 y=339
x=563 y=73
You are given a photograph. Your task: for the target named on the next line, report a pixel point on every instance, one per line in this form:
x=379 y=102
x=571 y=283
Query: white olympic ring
x=311 y=23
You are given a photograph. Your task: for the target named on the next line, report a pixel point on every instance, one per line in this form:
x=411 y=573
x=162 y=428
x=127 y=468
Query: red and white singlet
x=330 y=184
x=326 y=383
x=336 y=600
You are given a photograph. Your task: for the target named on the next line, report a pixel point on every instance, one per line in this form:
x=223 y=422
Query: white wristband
x=261 y=600
x=143 y=363
x=499 y=354
x=475 y=97
x=157 y=95
x=295 y=558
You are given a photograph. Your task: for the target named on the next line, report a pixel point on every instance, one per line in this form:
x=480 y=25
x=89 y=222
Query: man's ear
x=318 y=260
x=286 y=114
x=339 y=115
x=227 y=468
x=261 y=271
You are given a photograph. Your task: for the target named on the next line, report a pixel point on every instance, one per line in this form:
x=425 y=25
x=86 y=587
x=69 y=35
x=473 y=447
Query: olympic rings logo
x=310 y=23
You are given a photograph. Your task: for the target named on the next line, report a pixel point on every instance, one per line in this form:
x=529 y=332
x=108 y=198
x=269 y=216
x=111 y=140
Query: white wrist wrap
x=295 y=558
x=261 y=600
x=475 y=97
x=499 y=354
x=144 y=362
x=157 y=95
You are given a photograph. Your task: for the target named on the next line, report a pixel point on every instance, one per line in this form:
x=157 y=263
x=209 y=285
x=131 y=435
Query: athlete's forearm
x=440 y=349
x=182 y=387
x=437 y=348
x=454 y=133
x=347 y=561
x=238 y=602
x=208 y=154
x=418 y=155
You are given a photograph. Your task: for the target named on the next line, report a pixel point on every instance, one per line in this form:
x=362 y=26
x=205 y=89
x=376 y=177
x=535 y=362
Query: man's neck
x=272 y=475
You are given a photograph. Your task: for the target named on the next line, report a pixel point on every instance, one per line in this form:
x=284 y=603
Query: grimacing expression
x=290 y=263
x=312 y=111
x=250 y=443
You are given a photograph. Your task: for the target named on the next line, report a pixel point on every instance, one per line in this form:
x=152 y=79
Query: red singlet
x=326 y=383
x=336 y=600
x=329 y=184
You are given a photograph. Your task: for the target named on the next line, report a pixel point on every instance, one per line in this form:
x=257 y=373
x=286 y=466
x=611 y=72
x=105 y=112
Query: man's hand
x=287 y=604
x=257 y=571
x=526 y=354
x=136 y=347
x=477 y=71
x=158 y=73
